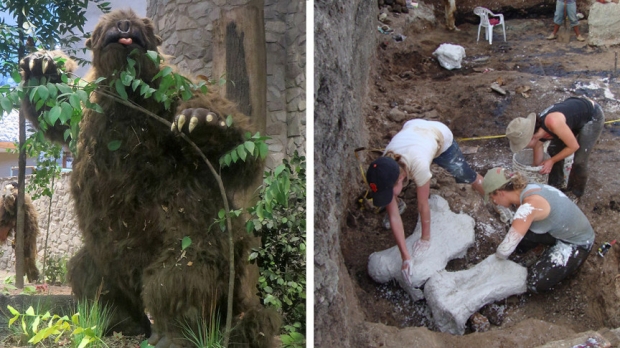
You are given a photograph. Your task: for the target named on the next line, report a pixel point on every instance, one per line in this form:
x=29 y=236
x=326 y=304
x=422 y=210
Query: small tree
x=44 y=24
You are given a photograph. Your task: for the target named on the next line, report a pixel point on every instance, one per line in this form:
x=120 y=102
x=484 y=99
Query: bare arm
x=534 y=208
x=537 y=147
x=556 y=122
x=398 y=230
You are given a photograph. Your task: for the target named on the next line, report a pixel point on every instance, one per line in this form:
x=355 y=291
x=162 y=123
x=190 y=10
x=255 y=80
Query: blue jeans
x=571 y=11
x=453 y=161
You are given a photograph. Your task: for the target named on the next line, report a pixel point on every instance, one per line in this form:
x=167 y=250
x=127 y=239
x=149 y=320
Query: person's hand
x=407 y=269
x=421 y=246
x=546 y=166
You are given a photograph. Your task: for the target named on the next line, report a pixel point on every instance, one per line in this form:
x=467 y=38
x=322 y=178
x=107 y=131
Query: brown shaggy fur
x=135 y=204
x=8 y=221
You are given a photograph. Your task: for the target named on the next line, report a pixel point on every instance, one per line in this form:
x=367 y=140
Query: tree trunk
x=239 y=56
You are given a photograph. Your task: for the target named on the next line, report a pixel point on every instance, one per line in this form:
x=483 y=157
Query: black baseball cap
x=381 y=176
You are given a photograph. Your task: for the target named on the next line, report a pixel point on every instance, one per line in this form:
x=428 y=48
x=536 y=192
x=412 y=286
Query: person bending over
x=572 y=127
x=409 y=156
x=544 y=215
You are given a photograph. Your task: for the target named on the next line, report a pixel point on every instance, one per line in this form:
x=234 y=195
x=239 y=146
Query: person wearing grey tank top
x=545 y=216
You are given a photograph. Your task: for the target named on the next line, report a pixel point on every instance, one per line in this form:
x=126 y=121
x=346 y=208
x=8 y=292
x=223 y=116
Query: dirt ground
x=407 y=82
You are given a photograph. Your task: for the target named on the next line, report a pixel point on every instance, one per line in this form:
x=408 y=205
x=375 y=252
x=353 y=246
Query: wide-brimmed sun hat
x=520 y=131
x=381 y=176
x=493 y=179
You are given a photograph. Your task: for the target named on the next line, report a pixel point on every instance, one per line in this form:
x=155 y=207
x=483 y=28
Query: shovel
x=564 y=34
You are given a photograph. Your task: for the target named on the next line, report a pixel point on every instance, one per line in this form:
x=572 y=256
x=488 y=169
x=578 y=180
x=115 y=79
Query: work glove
x=421 y=246
x=407 y=270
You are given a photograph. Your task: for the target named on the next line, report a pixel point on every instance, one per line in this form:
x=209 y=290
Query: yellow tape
x=504 y=135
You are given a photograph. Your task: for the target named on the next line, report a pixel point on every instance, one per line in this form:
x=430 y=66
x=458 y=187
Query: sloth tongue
x=125 y=41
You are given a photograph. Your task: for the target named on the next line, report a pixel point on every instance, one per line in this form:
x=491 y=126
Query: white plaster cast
x=454 y=296
x=451 y=235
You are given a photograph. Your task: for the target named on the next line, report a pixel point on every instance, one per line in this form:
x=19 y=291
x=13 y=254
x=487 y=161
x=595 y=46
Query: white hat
x=520 y=131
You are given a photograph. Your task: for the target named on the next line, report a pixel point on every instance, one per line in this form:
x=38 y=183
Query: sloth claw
x=193 y=122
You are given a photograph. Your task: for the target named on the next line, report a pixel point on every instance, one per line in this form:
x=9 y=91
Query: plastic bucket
x=522 y=162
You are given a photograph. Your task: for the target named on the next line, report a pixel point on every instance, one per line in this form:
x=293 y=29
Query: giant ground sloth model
x=135 y=204
x=8 y=221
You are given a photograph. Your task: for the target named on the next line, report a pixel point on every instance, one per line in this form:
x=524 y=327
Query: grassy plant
x=206 y=335
x=94 y=317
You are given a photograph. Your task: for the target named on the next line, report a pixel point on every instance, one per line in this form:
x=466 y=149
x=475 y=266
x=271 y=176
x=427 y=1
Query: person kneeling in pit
x=544 y=215
x=409 y=155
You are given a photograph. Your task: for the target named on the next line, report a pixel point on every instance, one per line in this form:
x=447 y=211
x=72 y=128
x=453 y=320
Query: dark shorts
x=453 y=161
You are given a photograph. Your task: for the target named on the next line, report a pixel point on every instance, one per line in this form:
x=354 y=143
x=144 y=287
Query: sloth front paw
x=38 y=64
x=193 y=121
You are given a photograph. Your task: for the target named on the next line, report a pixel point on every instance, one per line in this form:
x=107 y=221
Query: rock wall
x=345 y=44
x=186 y=26
x=64 y=238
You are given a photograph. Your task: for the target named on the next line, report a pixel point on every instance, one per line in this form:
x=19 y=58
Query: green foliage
x=43 y=24
x=83 y=330
x=254 y=146
x=22 y=333
x=171 y=86
x=56 y=270
x=221 y=217
x=47 y=22
x=293 y=338
x=206 y=335
x=94 y=318
x=8 y=287
x=185 y=242
x=279 y=217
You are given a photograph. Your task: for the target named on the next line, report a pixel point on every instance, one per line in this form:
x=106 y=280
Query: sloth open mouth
x=125 y=39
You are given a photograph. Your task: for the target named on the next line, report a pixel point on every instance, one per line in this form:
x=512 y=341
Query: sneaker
x=580 y=38
x=401 y=208
x=552 y=37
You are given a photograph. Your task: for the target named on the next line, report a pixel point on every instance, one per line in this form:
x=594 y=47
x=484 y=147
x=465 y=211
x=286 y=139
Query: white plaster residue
x=524 y=211
x=451 y=235
x=510 y=243
x=486 y=229
x=454 y=296
x=560 y=253
x=595 y=86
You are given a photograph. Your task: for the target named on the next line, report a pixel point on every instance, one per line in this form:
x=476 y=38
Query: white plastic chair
x=496 y=19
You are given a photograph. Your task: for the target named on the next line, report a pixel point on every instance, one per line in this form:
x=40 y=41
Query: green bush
x=56 y=270
x=279 y=218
